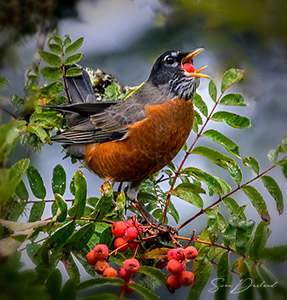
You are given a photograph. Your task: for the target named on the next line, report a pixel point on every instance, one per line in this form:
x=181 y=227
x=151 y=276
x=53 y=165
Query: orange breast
x=150 y=145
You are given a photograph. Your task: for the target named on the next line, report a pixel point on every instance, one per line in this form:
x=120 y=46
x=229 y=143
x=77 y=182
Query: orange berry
x=133 y=246
x=131 y=265
x=131 y=233
x=101 y=266
x=91 y=258
x=126 y=288
x=190 y=252
x=119 y=228
x=110 y=272
x=177 y=253
x=174 y=267
x=101 y=251
x=120 y=242
x=126 y=276
x=186 y=278
x=172 y=282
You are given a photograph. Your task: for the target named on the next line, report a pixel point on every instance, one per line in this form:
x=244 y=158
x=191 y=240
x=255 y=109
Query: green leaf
x=80 y=189
x=212 y=227
x=231 y=119
x=212 y=90
x=229 y=235
x=67 y=40
x=259 y=241
x=202 y=272
x=74 y=72
x=51 y=90
x=80 y=238
x=54 y=283
x=233 y=208
x=195 y=124
x=57 y=49
x=252 y=164
x=282 y=148
x=233 y=99
x=200 y=104
x=231 y=77
x=173 y=212
x=103 y=296
x=62 y=205
x=99 y=281
x=235 y=172
x=32 y=249
x=244 y=232
x=246 y=289
x=51 y=73
x=74 y=46
x=72 y=269
x=21 y=191
x=51 y=59
x=38 y=131
x=273 y=156
x=57 y=40
x=257 y=201
x=36 y=183
x=224 y=277
x=275 y=191
x=189 y=193
x=68 y=291
x=73 y=59
x=59 y=180
x=146 y=293
x=221 y=139
x=37 y=211
x=274 y=254
x=282 y=164
x=154 y=272
x=225 y=187
x=3 y=82
x=212 y=183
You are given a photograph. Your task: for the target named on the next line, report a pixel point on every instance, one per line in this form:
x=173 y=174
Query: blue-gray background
x=124 y=37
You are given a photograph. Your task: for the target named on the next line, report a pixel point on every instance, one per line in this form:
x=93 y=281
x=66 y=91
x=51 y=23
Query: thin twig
x=8 y=112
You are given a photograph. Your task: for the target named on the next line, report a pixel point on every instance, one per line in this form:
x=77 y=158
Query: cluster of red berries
x=126 y=233
x=176 y=266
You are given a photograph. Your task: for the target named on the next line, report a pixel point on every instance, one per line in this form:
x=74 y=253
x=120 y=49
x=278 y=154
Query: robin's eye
x=170 y=60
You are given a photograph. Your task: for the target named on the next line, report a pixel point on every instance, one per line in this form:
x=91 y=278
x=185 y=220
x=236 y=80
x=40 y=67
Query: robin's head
x=174 y=71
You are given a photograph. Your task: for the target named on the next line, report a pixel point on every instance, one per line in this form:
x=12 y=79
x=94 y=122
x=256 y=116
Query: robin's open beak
x=186 y=62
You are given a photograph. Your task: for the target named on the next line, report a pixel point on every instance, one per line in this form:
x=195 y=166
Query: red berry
x=126 y=276
x=101 y=251
x=189 y=68
x=131 y=233
x=190 y=252
x=133 y=246
x=183 y=265
x=110 y=272
x=172 y=282
x=101 y=266
x=174 y=267
x=177 y=253
x=131 y=265
x=133 y=223
x=119 y=228
x=91 y=258
x=186 y=278
x=120 y=242
x=126 y=288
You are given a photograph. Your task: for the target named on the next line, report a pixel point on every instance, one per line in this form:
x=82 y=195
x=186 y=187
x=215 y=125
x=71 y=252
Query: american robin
x=126 y=141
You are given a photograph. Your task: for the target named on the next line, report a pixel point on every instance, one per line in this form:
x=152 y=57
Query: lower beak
x=189 y=58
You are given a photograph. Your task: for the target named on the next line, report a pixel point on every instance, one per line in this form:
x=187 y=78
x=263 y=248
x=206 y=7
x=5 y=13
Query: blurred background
x=124 y=37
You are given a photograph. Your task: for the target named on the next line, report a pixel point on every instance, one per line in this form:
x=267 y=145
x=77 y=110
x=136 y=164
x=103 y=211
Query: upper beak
x=188 y=59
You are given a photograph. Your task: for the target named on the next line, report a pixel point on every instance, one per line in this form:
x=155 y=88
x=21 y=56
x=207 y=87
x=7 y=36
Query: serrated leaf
x=273 y=156
x=259 y=241
x=233 y=99
x=231 y=119
x=36 y=183
x=57 y=49
x=73 y=59
x=200 y=104
x=202 y=272
x=282 y=164
x=51 y=59
x=244 y=232
x=36 y=211
x=74 y=72
x=212 y=90
x=146 y=293
x=189 y=193
x=257 y=201
x=54 y=283
x=252 y=164
x=153 y=272
x=72 y=269
x=231 y=77
x=224 y=277
x=51 y=73
x=74 y=46
x=62 y=206
x=80 y=238
x=90 y=283
x=274 y=254
x=274 y=189
x=80 y=191
x=59 y=180
x=221 y=139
